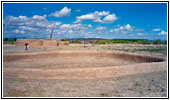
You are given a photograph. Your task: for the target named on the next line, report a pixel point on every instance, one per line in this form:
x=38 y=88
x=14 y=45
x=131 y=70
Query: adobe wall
x=21 y=42
x=49 y=42
x=63 y=43
x=41 y=42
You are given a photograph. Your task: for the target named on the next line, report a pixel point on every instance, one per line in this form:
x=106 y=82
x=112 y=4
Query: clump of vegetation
x=91 y=42
x=131 y=41
x=159 y=42
x=143 y=42
x=64 y=40
x=102 y=42
x=75 y=41
x=9 y=41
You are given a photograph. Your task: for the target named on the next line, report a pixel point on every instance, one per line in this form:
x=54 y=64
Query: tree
x=6 y=39
x=145 y=42
x=157 y=41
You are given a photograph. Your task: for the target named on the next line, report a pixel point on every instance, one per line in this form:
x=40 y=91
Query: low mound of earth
x=78 y=65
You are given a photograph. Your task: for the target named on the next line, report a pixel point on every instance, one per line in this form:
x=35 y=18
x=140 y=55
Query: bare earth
x=76 y=72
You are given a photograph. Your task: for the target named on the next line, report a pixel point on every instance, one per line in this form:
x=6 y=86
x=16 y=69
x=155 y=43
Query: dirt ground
x=142 y=83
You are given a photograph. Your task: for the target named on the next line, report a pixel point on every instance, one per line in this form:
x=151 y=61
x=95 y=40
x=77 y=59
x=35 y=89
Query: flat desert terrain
x=85 y=70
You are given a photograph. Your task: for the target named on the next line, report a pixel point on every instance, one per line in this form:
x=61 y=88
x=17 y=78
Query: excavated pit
x=78 y=65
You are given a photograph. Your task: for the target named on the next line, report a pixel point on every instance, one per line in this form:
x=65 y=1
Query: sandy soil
x=28 y=73
x=140 y=85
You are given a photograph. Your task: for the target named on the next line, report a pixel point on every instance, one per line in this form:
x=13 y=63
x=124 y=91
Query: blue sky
x=85 y=20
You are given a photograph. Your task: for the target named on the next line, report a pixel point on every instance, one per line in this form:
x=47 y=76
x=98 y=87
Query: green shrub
x=101 y=42
x=6 y=39
x=75 y=41
x=64 y=40
x=92 y=42
x=157 y=41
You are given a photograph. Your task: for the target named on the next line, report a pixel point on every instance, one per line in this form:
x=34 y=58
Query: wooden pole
x=51 y=34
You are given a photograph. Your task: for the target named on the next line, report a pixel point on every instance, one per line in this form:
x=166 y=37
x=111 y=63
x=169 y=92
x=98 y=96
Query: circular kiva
x=79 y=65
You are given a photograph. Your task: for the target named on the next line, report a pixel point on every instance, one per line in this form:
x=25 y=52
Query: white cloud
x=9 y=19
x=22 y=31
x=97 y=17
x=18 y=31
x=70 y=31
x=37 y=17
x=22 y=18
x=140 y=34
x=65 y=26
x=128 y=27
x=84 y=17
x=78 y=10
x=53 y=24
x=39 y=27
x=123 y=29
x=103 y=13
x=89 y=25
x=98 y=28
x=162 y=33
x=112 y=30
x=156 y=29
x=76 y=29
x=35 y=25
x=62 y=13
x=110 y=18
x=72 y=26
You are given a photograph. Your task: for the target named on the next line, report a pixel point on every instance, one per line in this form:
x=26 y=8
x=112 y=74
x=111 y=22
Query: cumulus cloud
x=39 y=27
x=156 y=29
x=103 y=13
x=73 y=26
x=62 y=13
x=122 y=29
x=162 y=33
x=140 y=34
x=35 y=25
x=37 y=17
x=110 y=18
x=128 y=27
x=84 y=17
x=73 y=30
x=70 y=31
x=89 y=25
x=18 y=31
x=65 y=26
x=36 y=21
x=99 y=28
x=97 y=17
